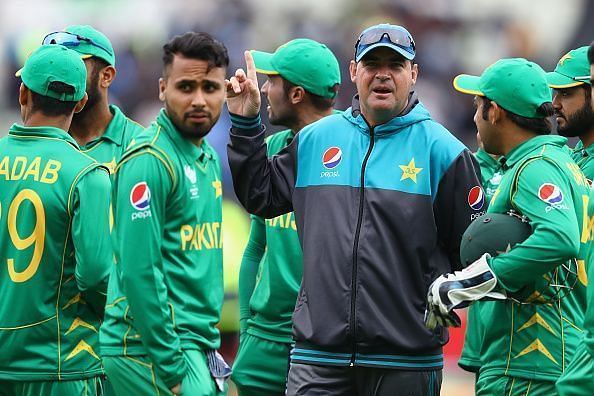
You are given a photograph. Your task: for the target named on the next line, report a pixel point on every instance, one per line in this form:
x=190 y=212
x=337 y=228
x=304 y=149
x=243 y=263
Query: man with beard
x=100 y=129
x=571 y=100
x=303 y=80
x=166 y=291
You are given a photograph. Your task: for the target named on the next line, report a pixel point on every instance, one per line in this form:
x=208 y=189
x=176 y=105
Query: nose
x=556 y=101
x=198 y=100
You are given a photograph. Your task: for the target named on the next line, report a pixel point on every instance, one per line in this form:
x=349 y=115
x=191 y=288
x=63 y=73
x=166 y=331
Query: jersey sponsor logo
x=140 y=196
x=476 y=198
x=332 y=157
x=286 y=220
x=550 y=193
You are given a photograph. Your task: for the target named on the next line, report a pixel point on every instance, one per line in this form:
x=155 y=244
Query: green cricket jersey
x=584 y=157
x=491 y=174
x=110 y=147
x=166 y=289
x=271 y=300
x=55 y=248
x=537 y=339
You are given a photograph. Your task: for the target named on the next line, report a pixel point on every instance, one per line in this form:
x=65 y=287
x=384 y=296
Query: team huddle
x=360 y=249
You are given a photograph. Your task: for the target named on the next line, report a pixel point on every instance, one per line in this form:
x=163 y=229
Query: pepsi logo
x=332 y=157
x=140 y=196
x=550 y=193
x=476 y=198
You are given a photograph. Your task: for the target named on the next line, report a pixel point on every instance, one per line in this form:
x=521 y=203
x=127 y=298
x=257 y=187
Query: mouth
x=382 y=90
x=198 y=117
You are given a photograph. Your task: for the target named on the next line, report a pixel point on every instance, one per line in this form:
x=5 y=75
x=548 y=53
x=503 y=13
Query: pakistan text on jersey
x=286 y=220
x=21 y=168
x=201 y=236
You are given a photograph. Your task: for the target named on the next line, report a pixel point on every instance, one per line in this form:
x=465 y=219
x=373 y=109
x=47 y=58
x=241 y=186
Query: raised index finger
x=251 y=67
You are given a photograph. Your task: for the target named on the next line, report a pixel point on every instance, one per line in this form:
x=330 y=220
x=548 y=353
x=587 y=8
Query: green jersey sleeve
x=248 y=273
x=90 y=231
x=142 y=186
x=544 y=195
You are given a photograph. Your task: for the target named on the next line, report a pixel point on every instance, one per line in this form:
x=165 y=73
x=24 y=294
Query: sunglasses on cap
x=400 y=39
x=71 y=40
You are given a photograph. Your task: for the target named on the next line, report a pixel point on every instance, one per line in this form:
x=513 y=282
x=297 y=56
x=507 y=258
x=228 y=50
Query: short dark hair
x=99 y=63
x=201 y=46
x=542 y=126
x=591 y=54
x=53 y=107
x=319 y=102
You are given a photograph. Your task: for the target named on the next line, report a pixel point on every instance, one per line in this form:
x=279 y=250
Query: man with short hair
x=166 y=293
x=303 y=80
x=573 y=109
x=534 y=326
x=101 y=129
x=577 y=379
x=380 y=194
x=54 y=236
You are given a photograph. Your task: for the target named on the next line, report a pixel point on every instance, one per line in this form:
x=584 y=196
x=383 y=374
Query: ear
x=162 y=86
x=296 y=95
x=353 y=70
x=106 y=76
x=414 y=72
x=81 y=103
x=495 y=113
x=23 y=95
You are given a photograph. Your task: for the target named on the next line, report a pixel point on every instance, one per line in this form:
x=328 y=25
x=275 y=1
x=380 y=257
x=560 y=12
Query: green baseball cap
x=50 y=63
x=516 y=84
x=302 y=62
x=85 y=40
x=573 y=69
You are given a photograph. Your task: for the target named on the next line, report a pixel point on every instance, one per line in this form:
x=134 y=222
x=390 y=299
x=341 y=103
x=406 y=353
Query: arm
x=90 y=231
x=138 y=236
x=452 y=212
x=264 y=187
x=555 y=238
x=252 y=255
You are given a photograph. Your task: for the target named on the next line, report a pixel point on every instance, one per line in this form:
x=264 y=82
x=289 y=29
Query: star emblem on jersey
x=111 y=165
x=410 y=171
x=218 y=188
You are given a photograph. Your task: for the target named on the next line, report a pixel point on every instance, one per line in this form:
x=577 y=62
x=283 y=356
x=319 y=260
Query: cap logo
x=550 y=193
x=476 y=198
x=140 y=196
x=564 y=58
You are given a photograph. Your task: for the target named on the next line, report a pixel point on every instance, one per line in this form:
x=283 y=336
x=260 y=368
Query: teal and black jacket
x=380 y=213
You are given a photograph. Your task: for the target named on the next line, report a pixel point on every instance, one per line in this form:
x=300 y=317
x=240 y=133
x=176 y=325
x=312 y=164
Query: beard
x=578 y=123
x=94 y=97
x=188 y=129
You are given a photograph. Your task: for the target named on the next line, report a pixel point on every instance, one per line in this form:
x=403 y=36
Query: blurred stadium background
x=452 y=36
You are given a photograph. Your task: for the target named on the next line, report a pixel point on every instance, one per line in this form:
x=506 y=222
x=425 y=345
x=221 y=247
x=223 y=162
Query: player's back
x=44 y=322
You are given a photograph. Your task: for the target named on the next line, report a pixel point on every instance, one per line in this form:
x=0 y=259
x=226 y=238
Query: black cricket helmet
x=493 y=233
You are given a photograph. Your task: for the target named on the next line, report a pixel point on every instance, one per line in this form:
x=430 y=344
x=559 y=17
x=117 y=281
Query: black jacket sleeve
x=453 y=211
x=263 y=186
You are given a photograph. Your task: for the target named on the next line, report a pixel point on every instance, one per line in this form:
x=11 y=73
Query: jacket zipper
x=356 y=246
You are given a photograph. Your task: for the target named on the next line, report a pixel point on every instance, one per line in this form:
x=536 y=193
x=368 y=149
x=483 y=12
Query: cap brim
x=557 y=80
x=263 y=62
x=86 y=56
x=393 y=47
x=468 y=84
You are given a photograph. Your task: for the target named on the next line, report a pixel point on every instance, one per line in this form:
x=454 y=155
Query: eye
x=185 y=87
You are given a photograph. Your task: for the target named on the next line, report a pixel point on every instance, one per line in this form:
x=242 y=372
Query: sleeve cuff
x=241 y=122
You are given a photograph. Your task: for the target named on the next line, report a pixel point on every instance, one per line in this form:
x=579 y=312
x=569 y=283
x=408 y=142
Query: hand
x=243 y=94
x=176 y=390
x=457 y=290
